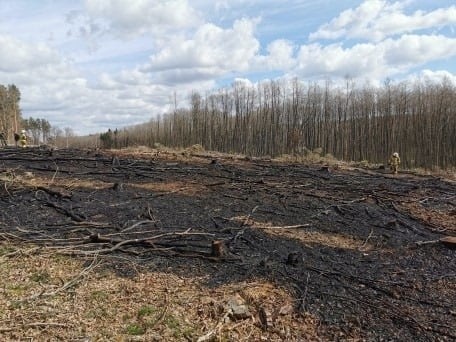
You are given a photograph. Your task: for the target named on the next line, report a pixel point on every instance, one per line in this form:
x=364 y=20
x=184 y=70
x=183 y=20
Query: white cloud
x=16 y=56
x=52 y=87
x=244 y=81
x=415 y=50
x=279 y=57
x=106 y=82
x=437 y=76
x=135 y=17
x=385 y=59
x=145 y=52
x=377 y=19
x=210 y=53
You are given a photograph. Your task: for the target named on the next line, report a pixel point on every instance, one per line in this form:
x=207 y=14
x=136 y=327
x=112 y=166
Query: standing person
x=17 y=137
x=23 y=139
x=394 y=162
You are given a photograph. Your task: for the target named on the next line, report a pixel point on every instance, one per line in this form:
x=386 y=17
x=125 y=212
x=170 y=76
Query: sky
x=91 y=65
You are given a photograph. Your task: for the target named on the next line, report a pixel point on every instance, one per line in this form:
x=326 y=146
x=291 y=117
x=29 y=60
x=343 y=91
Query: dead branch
x=135 y=225
x=33 y=325
x=366 y=241
x=54 y=192
x=429 y=242
x=248 y=216
x=65 y=286
x=447 y=241
x=65 y=211
x=19 y=252
x=148 y=241
x=296 y=226
x=209 y=335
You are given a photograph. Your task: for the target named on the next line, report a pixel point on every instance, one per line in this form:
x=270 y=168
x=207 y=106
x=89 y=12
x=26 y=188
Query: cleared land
x=109 y=246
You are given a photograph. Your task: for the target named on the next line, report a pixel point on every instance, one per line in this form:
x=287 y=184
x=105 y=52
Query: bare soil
x=116 y=245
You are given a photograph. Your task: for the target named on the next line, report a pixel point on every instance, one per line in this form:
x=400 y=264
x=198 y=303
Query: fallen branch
x=448 y=241
x=148 y=241
x=366 y=241
x=65 y=211
x=33 y=325
x=135 y=225
x=56 y=193
x=20 y=252
x=45 y=324
x=429 y=242
x=296 y=226
x=248 y=216
x=208 y=336
x=65 y=286
x=162 y=314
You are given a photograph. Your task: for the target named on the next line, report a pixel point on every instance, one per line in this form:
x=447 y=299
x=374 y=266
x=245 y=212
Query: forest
x=12 y=121
x=10 y=112
x=275 y=118
x=348 y=122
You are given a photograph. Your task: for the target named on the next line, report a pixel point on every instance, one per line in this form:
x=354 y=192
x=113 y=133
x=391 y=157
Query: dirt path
x=342 y=242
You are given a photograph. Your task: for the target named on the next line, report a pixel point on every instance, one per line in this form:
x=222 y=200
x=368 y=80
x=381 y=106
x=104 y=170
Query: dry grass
x=48 y=296
x=441 y=220
x=183 y=188
x=308 y=237
x=20 y=179
x=316 y=157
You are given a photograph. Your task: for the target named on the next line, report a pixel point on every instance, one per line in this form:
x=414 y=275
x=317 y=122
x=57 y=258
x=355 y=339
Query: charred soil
x=254 y=249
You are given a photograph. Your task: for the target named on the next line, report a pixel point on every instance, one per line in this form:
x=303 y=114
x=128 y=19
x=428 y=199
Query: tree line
x=348 y=122
x=10 y=111
x=39 y=130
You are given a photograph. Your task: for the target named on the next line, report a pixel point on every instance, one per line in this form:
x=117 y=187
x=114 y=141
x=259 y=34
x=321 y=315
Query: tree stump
x=265 y=318
x=115 y=161
x=117 y=186
x=294 y=258
x=219 y=249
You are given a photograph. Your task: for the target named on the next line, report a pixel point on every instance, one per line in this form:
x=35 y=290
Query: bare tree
x=350 y=122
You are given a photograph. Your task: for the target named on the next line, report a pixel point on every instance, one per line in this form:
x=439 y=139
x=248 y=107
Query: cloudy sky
x=98 y=64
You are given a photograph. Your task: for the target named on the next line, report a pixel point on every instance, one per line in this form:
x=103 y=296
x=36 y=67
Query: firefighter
x=394 y=162
x=23 y=139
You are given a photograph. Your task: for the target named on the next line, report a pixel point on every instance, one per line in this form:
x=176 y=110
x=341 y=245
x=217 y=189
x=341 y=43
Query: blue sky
x=96 y=64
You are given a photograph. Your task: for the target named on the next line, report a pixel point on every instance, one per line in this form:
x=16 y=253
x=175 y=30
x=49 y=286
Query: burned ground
x=345 y=243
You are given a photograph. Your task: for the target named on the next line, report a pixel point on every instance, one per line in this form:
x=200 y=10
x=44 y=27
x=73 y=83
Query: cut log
x=325 y=168
x=219 y=249
x=265 y=318
x=449 y=241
